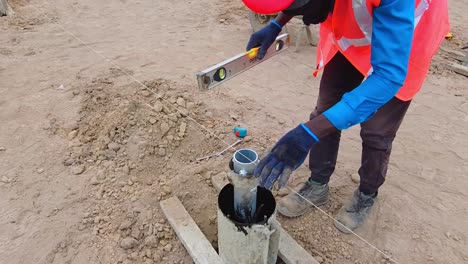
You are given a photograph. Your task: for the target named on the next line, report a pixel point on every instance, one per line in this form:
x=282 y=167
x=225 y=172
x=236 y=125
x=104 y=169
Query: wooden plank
x=453 y=54
x=289 y=250
x=190 y=235
x=460 y=69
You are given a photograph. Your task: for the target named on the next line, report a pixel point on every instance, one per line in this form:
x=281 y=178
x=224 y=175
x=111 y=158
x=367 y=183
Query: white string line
x=351 y=231
x=200 y=125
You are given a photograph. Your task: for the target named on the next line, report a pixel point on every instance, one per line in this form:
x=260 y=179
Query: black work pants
x=377 y=134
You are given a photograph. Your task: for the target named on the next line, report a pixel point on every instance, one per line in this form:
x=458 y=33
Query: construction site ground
x=87 y=153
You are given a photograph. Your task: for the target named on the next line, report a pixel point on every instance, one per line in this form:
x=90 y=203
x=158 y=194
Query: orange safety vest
x=349 y=30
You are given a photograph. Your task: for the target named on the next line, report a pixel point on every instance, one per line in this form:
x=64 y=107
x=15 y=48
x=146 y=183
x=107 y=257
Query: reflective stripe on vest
x=419 y=11
x=364 y=20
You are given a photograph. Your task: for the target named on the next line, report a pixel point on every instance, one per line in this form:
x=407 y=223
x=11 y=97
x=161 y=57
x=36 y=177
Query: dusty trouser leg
x=377 y=137
x=339 y=77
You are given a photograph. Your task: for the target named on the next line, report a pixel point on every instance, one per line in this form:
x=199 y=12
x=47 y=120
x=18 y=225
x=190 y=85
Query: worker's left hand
x=263 y=39
x=286 y=156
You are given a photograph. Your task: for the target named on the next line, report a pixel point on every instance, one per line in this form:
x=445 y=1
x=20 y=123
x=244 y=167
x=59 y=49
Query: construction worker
x=375 y=55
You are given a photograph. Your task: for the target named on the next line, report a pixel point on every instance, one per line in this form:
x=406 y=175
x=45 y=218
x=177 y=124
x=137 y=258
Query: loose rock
x=355 y=177
x=5 y=179
x=128 y=243
x=318 y=259
x=283 y=192
x=158 y=107
x=164 y=128
x=190 y=105
x=181 y=101
x=76 y=170
x=40 y=170
x=94 y=180
x=69 y=162
x=162 y=152
x=183 y=111
x=72 y=134
x=182 y=127
x=125 y=224
x=126 y=169
x=151 y=241
x=113 y=146
x=168 y=248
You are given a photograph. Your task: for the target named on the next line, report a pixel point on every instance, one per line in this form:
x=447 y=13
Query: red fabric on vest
x=428 y=34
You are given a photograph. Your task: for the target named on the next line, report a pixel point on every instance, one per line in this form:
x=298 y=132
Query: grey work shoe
x=294 y=205
x=353 y=214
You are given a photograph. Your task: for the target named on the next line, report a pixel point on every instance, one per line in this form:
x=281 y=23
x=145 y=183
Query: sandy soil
x=86 y=153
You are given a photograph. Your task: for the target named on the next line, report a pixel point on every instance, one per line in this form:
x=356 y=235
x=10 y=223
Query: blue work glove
x=286 y=156
x=264 y=38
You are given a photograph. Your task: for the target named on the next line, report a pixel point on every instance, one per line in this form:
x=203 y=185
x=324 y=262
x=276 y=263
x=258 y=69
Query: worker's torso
x=349 y=30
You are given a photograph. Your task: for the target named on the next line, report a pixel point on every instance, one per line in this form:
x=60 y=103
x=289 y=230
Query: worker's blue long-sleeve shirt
x=392 y=34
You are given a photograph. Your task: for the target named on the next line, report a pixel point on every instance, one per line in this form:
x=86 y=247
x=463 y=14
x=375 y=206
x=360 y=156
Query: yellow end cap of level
x=252 y=53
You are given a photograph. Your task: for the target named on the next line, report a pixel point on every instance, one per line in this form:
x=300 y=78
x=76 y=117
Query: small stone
x=94 y=180
x=122 y=258
x=125 y=224
x=157 y=257
x=69 y=162
x=281 y=122
x=163 y=242
x=318 y=259
x=162 y=152
x=182 y=127
x=283 y=192
x=190 y=105
x=222 y=20
x=5 y=179
x=173 y=117
x=151 y=241
x=168 y=248
x=126 y=169
x=72 y=134
x=184 y=112
x=415 y=236
x=40 y=170
x=158 y=107
x=247 y=139
x=212 y=219
x=181 y=101
x=355 y=177
x=128 y=243
x=448 y=235
x=146 y=93
x=153 y=120
x=76 y=170
x=135 y=233
x=164 y=128
x=113 y=146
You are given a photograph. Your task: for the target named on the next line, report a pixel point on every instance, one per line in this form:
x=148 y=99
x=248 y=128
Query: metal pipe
x=245 y=184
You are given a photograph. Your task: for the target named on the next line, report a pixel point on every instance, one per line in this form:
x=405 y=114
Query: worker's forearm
x=283 y=19
x=321 y=127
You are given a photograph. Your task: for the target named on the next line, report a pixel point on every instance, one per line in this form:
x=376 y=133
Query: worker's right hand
x=286 y=156
x=264 y=38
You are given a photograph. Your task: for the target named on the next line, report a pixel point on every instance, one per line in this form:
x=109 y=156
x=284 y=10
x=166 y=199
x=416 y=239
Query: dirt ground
x=87 y=153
